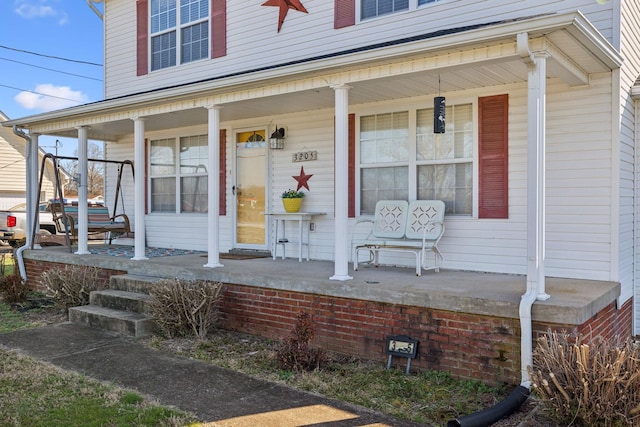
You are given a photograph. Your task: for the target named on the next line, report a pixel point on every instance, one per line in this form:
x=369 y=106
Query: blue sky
x=32 y=32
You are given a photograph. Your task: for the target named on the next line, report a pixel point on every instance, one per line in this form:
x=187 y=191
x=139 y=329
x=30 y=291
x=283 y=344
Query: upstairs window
x=373 y=8
x=345 y=10
x=178 y=32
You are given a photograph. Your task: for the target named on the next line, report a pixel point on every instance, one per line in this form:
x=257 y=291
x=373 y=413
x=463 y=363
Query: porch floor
x=572 y=301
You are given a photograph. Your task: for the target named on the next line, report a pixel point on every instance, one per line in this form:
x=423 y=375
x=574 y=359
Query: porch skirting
x=480 y=340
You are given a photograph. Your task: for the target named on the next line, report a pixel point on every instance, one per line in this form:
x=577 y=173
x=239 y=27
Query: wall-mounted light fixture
x=276 y=140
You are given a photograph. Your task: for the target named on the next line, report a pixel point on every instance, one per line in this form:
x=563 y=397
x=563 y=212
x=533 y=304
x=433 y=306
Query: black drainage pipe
x=490 y=415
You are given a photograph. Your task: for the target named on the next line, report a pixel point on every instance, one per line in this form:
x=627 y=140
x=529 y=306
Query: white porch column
x=139 y=193
x=83 y=211
x=33 y=176
x=341 y=252
x=536 y=172
x=213 y=194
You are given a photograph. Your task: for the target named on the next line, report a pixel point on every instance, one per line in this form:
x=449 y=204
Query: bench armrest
x=428 y=230
x=125 y=220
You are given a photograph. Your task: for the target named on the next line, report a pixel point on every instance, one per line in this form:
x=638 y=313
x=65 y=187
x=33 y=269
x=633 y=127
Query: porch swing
x=65 y=216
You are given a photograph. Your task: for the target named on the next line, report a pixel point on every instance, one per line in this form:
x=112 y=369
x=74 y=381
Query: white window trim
x=413 y=5
x=177 y=176
x=178 y=32
x=412 y=108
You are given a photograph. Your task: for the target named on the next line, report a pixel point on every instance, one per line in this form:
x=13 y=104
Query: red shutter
x=493 y=157
x=344 y=14
x=223 y=173
x=352 y=166
x=146 y=176
x=142 y=38
x=218 y=28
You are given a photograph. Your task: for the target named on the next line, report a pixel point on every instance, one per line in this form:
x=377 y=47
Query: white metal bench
x=398 y=226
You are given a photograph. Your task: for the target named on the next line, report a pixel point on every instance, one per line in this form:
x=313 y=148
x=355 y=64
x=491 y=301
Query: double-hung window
x=373 y=8
x=179 y=29
x=399 y=162
x=178 y=174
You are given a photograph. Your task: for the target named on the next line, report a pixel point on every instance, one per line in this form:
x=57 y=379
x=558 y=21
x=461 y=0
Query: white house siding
x=13 y=170
x=629 y=196
x=120 y=151
x=629 y=36
x=252 y=40
x=578 y=178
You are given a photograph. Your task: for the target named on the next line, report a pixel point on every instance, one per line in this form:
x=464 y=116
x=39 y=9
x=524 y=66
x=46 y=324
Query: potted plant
x=292 y=200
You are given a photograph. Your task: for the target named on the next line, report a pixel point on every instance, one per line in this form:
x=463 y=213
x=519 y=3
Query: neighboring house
x=13 y=170
x=537 y=166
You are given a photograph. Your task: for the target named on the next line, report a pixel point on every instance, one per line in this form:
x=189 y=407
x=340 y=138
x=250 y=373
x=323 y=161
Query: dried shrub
x=588 y=385
x=295 y=353
x=13 y=289
x=71 y=285
x=185 y=308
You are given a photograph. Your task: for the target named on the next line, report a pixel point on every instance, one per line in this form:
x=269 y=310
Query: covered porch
x=467 y=322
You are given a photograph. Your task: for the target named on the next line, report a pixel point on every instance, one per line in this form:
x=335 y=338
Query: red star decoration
x=284 y=6
x=302 y=179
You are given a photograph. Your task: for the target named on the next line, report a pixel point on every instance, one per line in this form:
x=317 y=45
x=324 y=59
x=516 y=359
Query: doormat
x=232 y=255
x=129 y=251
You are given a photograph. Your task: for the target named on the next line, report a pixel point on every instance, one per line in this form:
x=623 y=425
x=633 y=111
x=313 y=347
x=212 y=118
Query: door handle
x=233 y=190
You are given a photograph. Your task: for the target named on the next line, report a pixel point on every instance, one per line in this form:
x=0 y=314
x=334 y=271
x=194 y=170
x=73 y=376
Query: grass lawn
x=6 y=264
x=41 y=395
x=35 y=393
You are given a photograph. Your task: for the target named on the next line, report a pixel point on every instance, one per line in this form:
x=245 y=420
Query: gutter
x=534 y=277
x=23 y=270
x=520 y=394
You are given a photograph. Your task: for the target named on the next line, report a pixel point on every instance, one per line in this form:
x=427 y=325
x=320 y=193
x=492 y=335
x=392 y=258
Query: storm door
x=250 y=189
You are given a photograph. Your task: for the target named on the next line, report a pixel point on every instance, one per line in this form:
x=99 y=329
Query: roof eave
x=575 y=23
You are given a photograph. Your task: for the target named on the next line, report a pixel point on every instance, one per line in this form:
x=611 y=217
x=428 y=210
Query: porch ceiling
x=484 y=57
x=366 y=91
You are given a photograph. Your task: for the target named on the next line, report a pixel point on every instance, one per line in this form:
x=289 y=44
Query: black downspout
x=490 y=415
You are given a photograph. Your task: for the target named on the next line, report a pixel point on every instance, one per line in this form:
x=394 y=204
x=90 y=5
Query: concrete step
x=121 y=300
x=119 y=321
x=133 y=283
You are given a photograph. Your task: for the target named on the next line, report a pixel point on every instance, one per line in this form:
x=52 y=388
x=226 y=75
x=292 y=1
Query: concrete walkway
x=218 y=397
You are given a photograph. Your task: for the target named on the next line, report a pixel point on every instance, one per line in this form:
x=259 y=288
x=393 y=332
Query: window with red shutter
x=344 y=13
x=142 y=28
x=223 y=172
x=218 y=28
x=352 y=166
x=493 y=157
x=157 y=39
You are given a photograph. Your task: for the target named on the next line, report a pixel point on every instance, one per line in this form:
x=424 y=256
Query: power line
x=50 y=69
x=51 y=56
x=40 y=93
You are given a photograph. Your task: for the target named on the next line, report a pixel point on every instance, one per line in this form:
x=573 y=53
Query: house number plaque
x=402 y=346
x=304 y=156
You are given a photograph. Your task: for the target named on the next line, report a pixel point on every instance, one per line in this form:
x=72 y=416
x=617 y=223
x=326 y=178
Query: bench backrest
x=425 y=213
x=390 y=219
x=95 y=214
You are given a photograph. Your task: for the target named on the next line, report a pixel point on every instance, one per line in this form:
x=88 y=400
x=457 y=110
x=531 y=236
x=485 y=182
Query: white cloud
x=48 y=97
x=31 y=9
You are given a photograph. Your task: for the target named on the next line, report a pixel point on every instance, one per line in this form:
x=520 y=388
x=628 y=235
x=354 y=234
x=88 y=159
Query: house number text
x=305 y=156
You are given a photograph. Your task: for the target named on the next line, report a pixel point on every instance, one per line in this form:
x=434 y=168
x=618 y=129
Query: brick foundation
x=34 y=270
x=466 y=345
